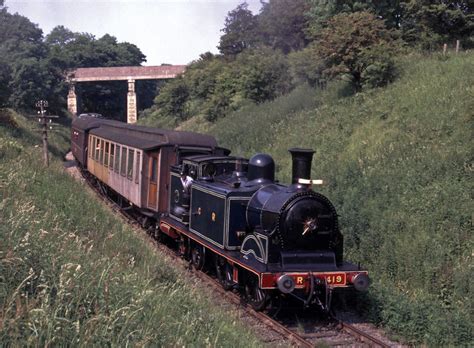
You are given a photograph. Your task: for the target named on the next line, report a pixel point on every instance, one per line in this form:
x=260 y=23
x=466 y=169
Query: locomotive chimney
x=301 y=165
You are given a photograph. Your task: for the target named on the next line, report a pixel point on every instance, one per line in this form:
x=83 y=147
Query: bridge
x=122 y=73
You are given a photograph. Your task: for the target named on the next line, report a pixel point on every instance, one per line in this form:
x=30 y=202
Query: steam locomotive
x=268 y=239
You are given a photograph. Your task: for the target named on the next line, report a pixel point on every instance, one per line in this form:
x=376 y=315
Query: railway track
x=302 y=332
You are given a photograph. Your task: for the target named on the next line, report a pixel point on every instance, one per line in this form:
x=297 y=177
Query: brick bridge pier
x=123 y=73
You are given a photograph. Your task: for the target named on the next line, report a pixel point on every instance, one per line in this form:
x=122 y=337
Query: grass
x=398 y=165
x=71 y=273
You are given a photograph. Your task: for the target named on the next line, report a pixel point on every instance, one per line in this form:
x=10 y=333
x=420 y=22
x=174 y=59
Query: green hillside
x=398 y=165
x=73 y=274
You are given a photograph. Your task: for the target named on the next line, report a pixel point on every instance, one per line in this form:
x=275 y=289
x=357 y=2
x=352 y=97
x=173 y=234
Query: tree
x=70 y=50
x=30 y=81
x=33 y=67
x=20 y=38
x=5 y=73
x=21 y=48
x=356 y=45
x=59 y=37
x=307 y=66
x=262 y=74
x=172 y=99
x=283 y=23
x=322 y=10
x=429 y=24
x=202 y=75
x=424 y=23
x=239 y=31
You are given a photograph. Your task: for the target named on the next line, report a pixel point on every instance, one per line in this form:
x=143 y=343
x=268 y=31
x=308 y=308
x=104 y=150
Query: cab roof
x=209 y=158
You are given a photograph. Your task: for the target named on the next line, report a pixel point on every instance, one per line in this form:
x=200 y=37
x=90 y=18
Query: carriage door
x=153 y=182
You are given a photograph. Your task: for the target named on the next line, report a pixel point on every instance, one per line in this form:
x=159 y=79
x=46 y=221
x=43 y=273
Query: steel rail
x=363 y=336
x=262 y=317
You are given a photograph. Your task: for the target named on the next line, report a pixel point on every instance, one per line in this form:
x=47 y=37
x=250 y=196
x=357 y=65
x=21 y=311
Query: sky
x=166 y=31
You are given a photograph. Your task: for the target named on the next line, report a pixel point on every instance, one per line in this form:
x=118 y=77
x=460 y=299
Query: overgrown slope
x=71 y=273
x=398 y=165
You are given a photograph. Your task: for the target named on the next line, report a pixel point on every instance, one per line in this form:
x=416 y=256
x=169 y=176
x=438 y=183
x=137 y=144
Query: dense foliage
x=398 y=165
x=424 y=23
x=262 y=56
x=356 y=45
x=212 y=86
x=34 y=67
x=291 y=42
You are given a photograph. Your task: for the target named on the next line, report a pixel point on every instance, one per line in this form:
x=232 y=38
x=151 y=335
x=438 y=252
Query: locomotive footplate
x=346 y=275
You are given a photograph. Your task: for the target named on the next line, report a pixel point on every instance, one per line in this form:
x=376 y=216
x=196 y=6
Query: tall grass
x=71 y=273
x=398 y=165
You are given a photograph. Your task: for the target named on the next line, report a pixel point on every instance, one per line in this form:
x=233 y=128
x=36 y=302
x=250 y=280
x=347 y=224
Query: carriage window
x=117 y=160
x=89 y=146
x=92 y=148
x=97 y=148
x=130 y=164
x=106 y=157
x=111 y=162
x=137 y=168
x=101 y=152
x=154 y=165
x=123 y=161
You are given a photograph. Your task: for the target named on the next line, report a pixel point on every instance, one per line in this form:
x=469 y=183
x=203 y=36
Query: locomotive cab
x=200 y=168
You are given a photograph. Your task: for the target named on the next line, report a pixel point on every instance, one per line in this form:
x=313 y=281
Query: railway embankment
x=398 y=164
x=71 y=273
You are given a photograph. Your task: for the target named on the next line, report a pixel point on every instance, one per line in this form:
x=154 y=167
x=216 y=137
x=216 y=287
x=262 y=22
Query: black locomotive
x=266 y=238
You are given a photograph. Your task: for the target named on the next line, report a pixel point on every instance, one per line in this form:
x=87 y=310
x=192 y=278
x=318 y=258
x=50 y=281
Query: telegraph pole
x=44 y=122
x=42 y=104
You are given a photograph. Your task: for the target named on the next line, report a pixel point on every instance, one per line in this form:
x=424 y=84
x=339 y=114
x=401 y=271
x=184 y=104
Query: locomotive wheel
x=255 y=296
x=156 y=233
x=275 y=305
x=183 y=249
x=144 y=222
x=197 y=256
x=224 y=272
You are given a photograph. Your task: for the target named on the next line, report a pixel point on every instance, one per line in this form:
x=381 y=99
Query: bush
x=262 y=74
x=7 y=119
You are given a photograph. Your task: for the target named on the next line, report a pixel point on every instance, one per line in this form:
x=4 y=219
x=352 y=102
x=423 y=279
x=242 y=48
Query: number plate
x=335 y=279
